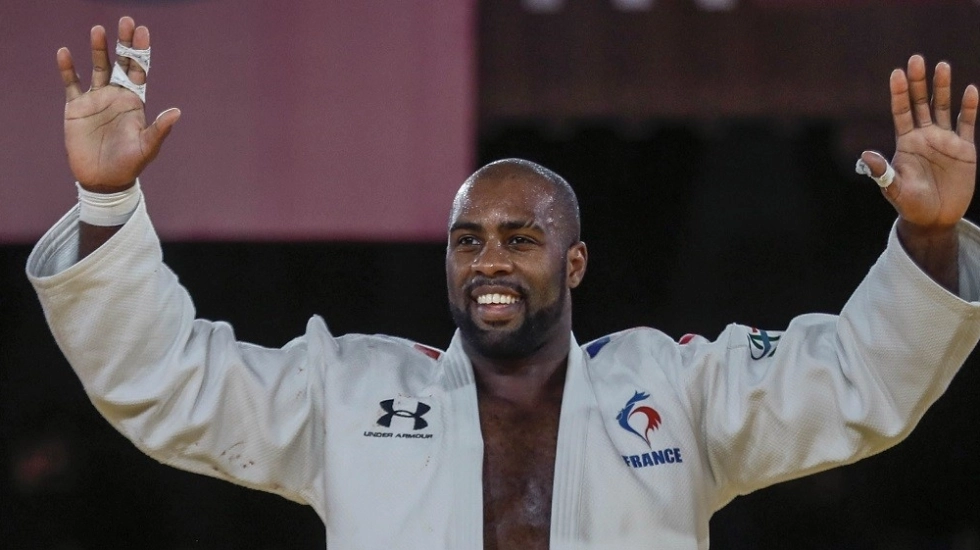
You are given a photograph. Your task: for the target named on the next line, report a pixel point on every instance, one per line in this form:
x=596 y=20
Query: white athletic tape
x=883 y=180
x=120 y=76
x=141 y=57
x=108 y=209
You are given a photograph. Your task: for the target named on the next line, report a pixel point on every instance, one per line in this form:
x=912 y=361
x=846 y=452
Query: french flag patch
x=593 y=348
x=431 y=352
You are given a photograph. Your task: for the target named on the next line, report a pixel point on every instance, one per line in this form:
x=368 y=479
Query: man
x=515 y=437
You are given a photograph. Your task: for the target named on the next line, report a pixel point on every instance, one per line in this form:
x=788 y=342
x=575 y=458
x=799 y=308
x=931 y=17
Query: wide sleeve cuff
x=54 y=258
x=969 y=267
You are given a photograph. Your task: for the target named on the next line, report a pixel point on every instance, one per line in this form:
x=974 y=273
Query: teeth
x=496 y=299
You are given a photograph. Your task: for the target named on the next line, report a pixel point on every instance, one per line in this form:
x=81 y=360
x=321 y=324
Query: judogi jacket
x=381 y=436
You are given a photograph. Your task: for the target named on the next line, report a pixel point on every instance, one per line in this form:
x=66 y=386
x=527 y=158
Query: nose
x=493 y=259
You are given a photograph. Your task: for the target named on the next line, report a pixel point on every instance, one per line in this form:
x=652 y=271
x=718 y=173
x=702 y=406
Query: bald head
x=514 y=240
x=564 y=201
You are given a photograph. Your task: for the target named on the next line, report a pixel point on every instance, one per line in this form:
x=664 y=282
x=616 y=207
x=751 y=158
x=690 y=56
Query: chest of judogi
x=404 y=460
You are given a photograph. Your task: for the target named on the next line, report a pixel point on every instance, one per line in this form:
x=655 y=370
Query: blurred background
x=712 y=144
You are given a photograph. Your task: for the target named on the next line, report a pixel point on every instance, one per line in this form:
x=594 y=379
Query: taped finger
x=883 y=180
x=141 y=57
x=121 y=79
x=120 y=76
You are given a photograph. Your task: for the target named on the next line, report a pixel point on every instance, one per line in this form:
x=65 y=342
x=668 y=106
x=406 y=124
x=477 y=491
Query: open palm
x=106 y=136
x=935 y=165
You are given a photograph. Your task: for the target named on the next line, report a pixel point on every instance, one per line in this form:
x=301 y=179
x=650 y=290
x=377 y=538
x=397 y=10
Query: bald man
x=516 y=436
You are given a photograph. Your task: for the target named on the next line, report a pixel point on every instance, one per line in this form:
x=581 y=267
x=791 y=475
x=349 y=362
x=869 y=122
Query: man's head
x=513 y=256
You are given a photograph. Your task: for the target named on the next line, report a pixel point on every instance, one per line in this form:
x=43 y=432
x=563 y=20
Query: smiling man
x=516 y=436
x=513 y=257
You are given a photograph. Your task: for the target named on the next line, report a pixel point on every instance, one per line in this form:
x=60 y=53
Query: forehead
x=490 y=200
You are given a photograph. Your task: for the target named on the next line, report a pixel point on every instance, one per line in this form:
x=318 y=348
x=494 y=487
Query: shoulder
x=641 y=345
x=354 y=346
x=371 y=355
x=633 y=341
x=387 y=348
x=357 y=363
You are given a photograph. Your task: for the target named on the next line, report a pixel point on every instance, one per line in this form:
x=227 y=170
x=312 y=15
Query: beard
x=503 y=345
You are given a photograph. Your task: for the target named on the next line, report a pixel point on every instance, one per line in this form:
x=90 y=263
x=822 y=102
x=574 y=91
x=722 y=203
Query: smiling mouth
x=498 y=308
x=494 y=299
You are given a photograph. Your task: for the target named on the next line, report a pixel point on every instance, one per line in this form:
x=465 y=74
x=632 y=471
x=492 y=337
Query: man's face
x=507 y=267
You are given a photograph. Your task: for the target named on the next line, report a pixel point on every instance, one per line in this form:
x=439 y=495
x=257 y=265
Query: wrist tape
x=108 y=209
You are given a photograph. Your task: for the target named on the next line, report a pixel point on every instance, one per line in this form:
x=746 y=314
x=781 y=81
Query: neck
x=525 y=381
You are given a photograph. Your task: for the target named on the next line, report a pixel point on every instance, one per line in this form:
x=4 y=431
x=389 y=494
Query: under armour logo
x=388 y=405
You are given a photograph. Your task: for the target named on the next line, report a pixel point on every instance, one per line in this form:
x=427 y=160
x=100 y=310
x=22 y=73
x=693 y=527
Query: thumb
x=874 y=165
x=155 y=133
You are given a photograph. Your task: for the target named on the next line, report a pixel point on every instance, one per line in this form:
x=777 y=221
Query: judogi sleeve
x=182 y=389
x=830 y=390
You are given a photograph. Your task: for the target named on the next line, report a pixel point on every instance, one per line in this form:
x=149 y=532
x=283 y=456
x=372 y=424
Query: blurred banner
x=301 y=119
x=546 y=6
x=674 y=59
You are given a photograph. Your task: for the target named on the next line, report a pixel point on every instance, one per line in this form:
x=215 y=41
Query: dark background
x=724 y=197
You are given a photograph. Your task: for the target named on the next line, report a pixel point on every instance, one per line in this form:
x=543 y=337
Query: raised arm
x=184 y=390
x=106 y=136
x=830 y=390
x=935 y=167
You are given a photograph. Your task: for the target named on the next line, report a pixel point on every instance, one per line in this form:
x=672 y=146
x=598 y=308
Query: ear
x=577 y=260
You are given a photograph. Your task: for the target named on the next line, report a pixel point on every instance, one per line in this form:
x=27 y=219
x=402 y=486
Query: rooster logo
x=652 y=417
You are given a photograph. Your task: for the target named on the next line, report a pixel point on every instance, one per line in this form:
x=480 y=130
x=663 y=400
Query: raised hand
x=106 y=135
x=935 y=164
x=935 y=167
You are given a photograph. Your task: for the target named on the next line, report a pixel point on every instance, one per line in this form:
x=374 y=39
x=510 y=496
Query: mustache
x=481 y=280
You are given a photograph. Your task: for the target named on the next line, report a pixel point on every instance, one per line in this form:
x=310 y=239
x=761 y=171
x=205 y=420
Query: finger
x=878 y=166
x=941 y=81
x=967 y=120
x=876 y=162
x=919 y=90
x=68 y=75
x=126 y=29
x=901 y=108
x=141 y=41
x=100 y=58
x=154 y=134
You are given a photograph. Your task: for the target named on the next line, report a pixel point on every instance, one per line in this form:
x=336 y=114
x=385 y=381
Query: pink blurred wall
x=301 y=120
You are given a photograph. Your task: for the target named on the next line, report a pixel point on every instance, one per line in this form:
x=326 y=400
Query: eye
x=467 y=240
x=522 y=241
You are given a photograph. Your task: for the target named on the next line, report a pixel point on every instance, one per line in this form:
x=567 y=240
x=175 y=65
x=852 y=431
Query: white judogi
x=382 y=437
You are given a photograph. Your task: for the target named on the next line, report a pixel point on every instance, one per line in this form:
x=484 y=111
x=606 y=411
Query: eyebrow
x=505 y=226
